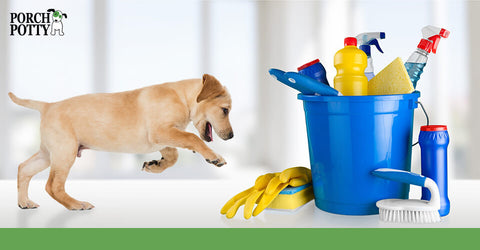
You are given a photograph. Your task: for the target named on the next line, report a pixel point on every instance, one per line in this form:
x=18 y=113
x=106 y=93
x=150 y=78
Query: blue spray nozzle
x=375 y=42
x=366 y=47
x=370 y=38
x=365 y=40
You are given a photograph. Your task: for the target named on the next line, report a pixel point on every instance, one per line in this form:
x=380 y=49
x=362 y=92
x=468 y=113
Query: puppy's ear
x=51 y=10
x=211 y=88
x=64 y=15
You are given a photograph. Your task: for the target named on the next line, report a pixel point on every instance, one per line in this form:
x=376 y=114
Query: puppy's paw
x=154 y=166
x=27 y=204
x=80 y=205
x=217 y=161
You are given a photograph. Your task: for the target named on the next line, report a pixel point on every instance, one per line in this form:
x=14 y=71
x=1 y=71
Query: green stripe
x=237 y=238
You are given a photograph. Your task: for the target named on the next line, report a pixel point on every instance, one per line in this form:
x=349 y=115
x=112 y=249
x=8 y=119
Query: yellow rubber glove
x=296 y=176
x=295 y=172
x=235 y=202
x=266 y=188
x=297 y=182
x=248 y=197
x=260 y=185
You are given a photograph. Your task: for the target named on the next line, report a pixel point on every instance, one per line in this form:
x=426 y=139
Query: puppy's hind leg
x=26 y=170
x=62 y=160
x=169 y=157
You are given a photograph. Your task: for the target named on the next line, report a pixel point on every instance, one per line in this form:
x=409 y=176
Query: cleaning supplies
x=267 y=187
x=410 y=211
x=350 y=63
x=392 y=80
x=364 y=41
x=315 y=70
x=280 y=182
x=306 y=85
x=248 y=197
x=350 y=136
x=418 y=59
x=433 y=140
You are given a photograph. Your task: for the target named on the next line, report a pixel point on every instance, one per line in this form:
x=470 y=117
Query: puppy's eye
x=225 y=111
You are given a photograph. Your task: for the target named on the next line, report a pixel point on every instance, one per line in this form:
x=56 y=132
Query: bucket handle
x=426 y=115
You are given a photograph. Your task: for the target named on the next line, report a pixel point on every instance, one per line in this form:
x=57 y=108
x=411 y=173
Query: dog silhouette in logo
x=57 y=22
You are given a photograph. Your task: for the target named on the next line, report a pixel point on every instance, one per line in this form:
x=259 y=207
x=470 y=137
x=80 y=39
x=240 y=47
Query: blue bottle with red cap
x=433 y=140
x=315 y=70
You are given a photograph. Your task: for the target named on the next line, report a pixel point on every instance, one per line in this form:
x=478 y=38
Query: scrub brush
x=409 y=211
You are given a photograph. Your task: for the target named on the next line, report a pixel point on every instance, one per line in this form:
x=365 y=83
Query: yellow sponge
x=392 y=80
x=293 y=197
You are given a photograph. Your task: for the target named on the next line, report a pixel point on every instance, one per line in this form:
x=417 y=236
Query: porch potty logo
x=37 y=24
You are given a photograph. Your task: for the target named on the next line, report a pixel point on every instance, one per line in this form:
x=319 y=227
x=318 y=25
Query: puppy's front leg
x=177 y=138
x=169 y=157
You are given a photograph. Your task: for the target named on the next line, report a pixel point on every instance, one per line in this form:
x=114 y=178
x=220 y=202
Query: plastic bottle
x=433 y=142
x=315 y=70
x=350 y=63
x=365 y=40
x=418 y=59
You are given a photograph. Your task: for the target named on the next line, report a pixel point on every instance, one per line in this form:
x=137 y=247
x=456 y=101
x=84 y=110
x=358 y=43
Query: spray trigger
x=375 y=42
x=434 y=34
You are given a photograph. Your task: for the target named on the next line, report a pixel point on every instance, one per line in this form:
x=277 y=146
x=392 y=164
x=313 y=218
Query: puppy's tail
x=37 y=105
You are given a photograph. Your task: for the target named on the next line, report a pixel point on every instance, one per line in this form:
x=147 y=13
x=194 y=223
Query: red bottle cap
x=350 y=41
x=431 y=128
x=306 y=65
x=425 y=45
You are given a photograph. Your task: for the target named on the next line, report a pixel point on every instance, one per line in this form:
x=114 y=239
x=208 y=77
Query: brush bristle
x=405 y=216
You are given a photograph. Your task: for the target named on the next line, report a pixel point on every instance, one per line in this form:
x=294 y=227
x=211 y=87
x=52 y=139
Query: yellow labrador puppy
x=144 y=120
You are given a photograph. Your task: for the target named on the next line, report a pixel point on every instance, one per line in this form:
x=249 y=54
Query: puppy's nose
x=230 y=135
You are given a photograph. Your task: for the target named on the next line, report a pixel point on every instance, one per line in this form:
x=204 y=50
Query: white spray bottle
x=418 y=59
x=365 y=40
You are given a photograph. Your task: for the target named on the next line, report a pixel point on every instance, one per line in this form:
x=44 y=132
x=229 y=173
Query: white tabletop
x=194 y=203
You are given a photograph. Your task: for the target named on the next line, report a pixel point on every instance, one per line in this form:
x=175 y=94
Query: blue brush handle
x=310 y=83
x=400 y=176
x=280 y=76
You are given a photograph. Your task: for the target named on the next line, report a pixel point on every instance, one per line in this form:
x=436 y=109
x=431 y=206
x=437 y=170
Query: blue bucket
x=350 y=136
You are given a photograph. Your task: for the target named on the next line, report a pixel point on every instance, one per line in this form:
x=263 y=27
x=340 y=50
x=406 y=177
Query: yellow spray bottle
x=350 y=63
